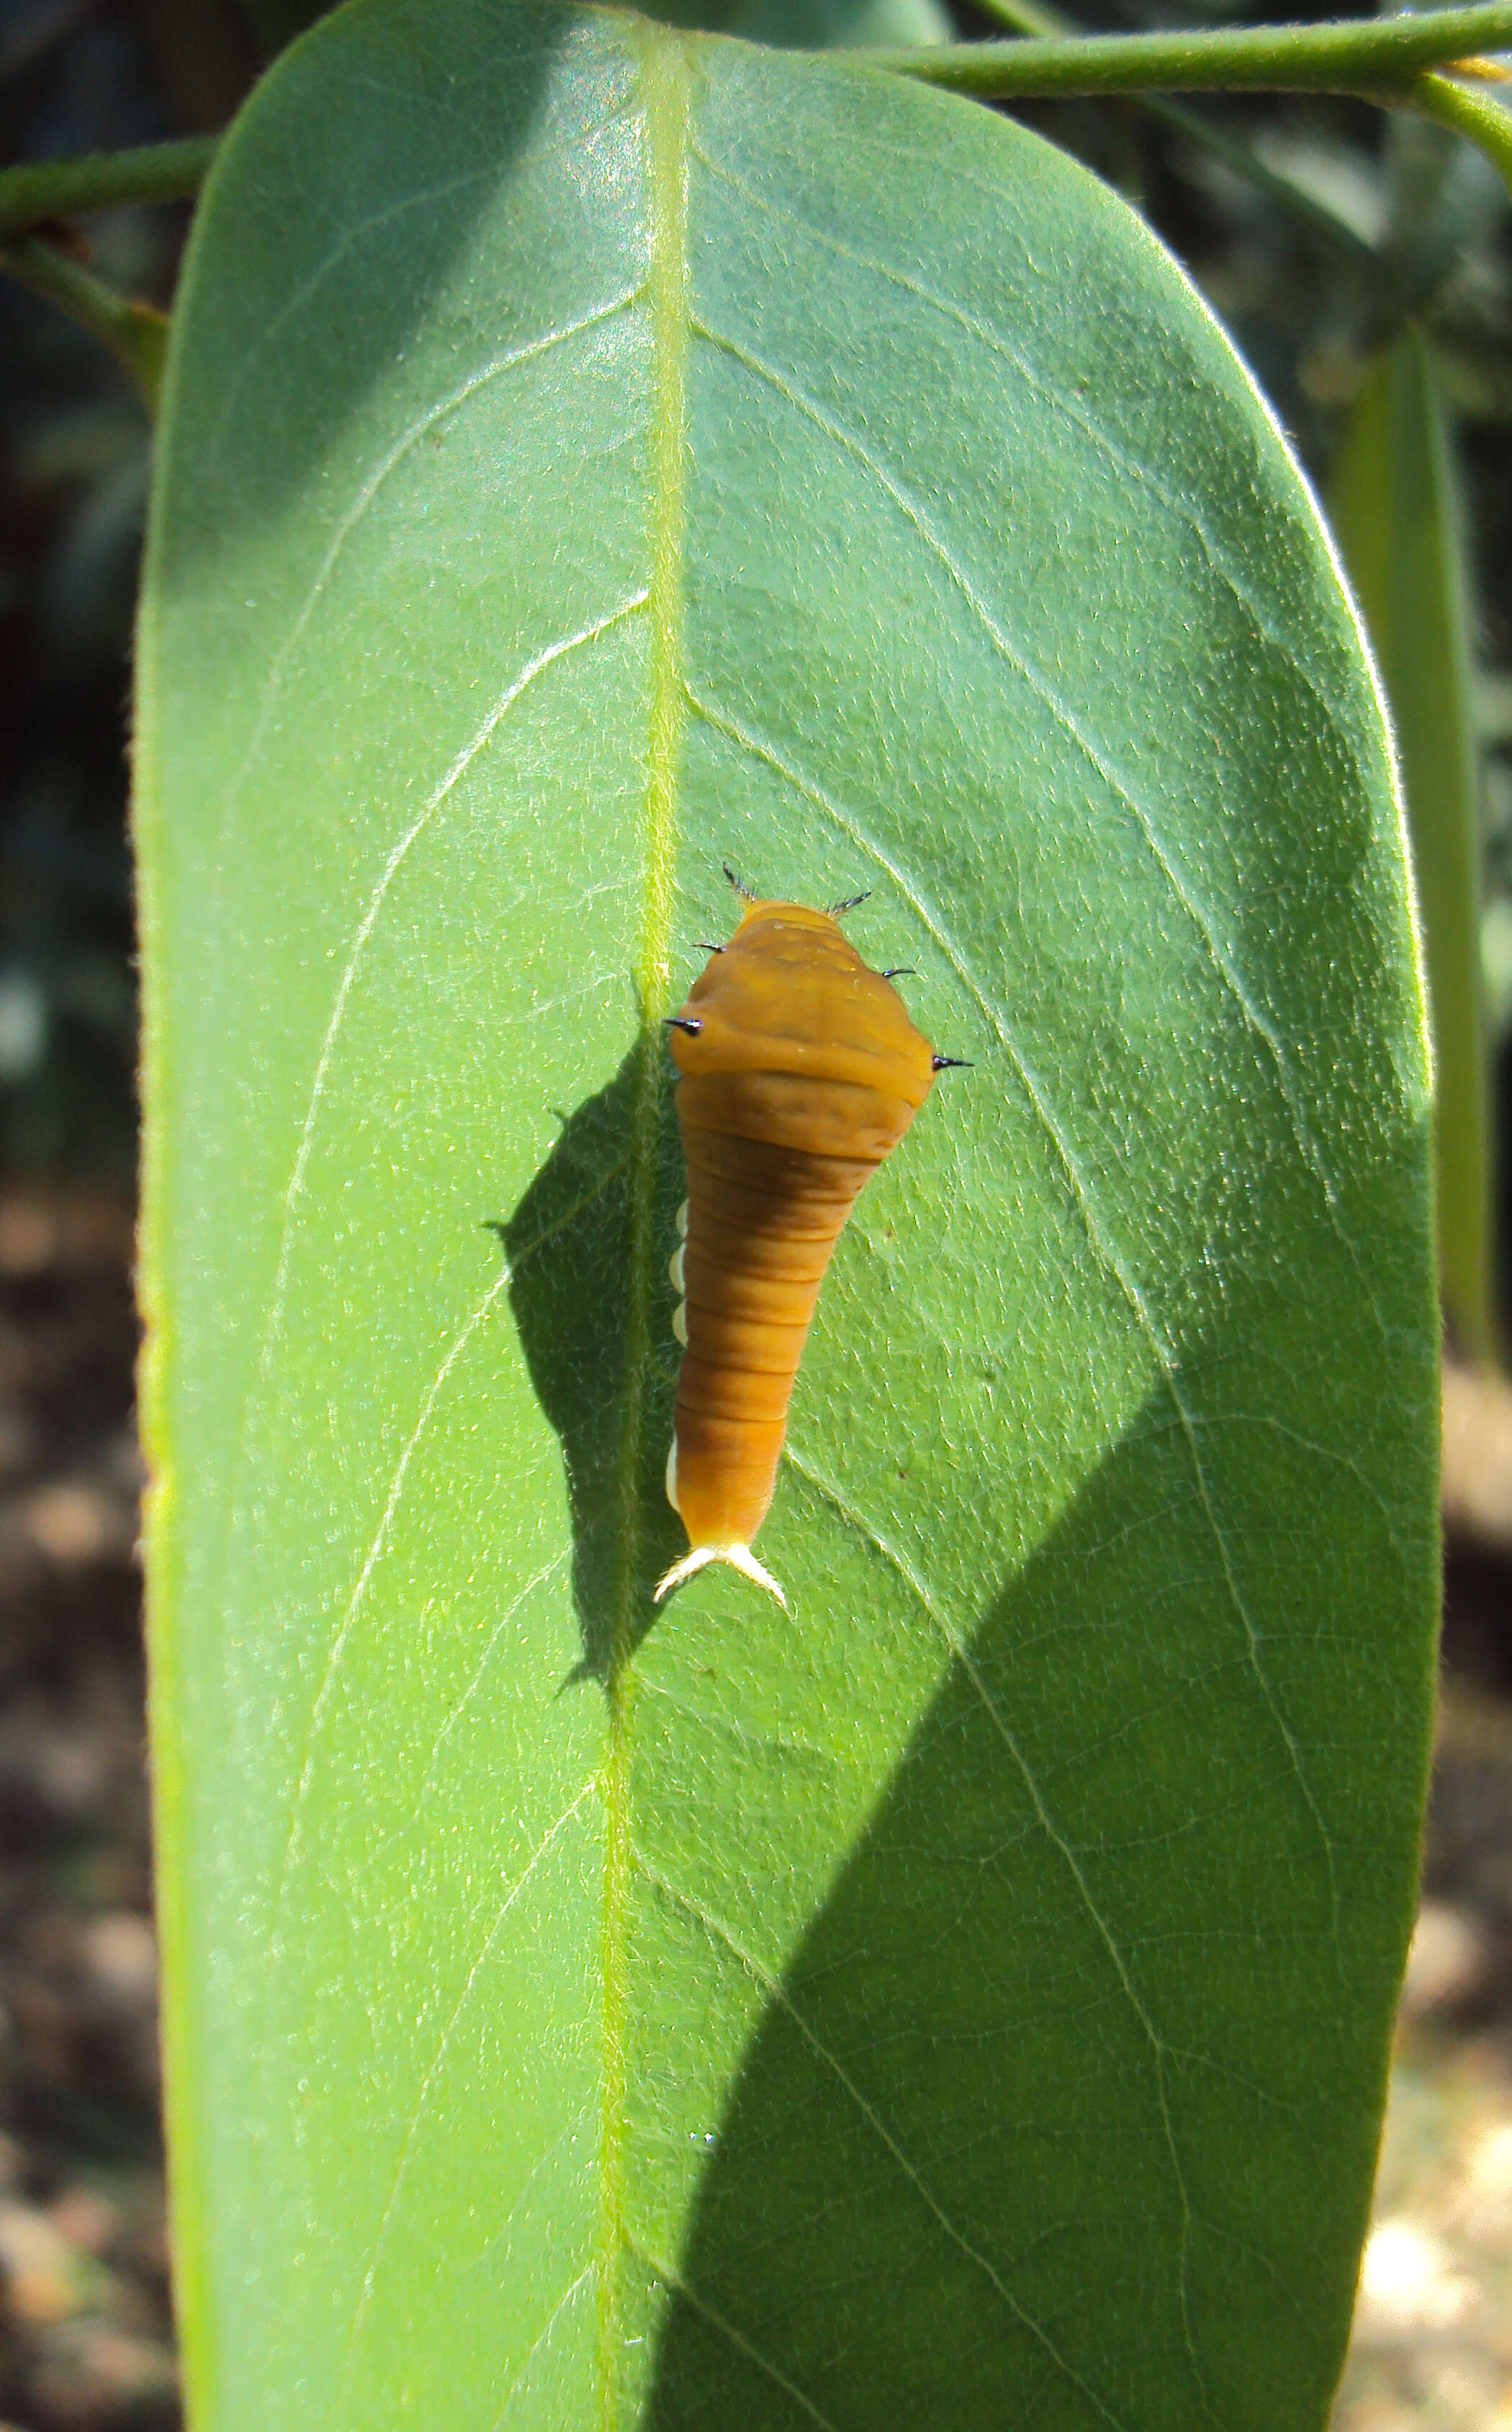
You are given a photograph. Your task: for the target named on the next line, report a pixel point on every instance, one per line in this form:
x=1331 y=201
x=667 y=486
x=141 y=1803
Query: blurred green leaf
x=798 y=25
x=1395 y=509
x=592 y=454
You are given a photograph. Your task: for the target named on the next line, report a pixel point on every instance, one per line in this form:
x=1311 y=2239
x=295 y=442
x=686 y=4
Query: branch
x=1037 y=17
x=1376 y=58
x=62 y=190
x=1487 y=123
x=136 y=334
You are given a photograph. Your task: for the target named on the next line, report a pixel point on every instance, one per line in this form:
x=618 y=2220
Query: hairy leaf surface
x=594 y=454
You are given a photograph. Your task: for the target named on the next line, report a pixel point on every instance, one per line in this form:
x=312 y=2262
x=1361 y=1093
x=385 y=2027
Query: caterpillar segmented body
x=801 y=1072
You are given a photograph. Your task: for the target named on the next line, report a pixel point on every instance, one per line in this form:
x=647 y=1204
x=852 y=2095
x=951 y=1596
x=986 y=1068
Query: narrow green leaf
x=1394 y=506
x=592 y=454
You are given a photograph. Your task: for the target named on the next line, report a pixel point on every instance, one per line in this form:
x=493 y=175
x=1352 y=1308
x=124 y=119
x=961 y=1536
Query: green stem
x=1380 y=57
x=136 y=334
x=1032 y=17
x=1487 y=123
x=62 y=190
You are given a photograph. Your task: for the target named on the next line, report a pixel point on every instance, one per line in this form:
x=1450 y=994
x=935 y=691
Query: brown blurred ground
x=84 y=2325
x=1432 y=2334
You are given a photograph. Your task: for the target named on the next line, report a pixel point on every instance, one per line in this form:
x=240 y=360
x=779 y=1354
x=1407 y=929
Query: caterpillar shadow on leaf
x=568 y=1246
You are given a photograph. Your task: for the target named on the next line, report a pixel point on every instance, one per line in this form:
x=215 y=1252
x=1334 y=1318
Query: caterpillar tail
x=740 y=1557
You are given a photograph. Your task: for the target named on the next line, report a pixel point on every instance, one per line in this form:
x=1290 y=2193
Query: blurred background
x=1364 y=267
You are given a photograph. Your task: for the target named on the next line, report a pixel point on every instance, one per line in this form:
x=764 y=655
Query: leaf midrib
x=664 y=63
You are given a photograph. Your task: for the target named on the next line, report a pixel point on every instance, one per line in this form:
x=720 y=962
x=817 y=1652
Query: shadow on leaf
x=1057 y=2115
x=456 y=165
x=568 y=1246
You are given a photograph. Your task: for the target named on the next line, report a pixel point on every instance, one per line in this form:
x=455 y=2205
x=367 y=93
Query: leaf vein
x=1097 y=758
x=423 y=200
x=293 y=305
x=898 y=1561
x=736 y=2338
x=344 y=1628
x=1065 y=400
x=357 y=509
x=539 y=2341
x=1099 y=1241
x=537 y=1578
x=423 y=2098
x=776 y=1992
x=272 y=1324
x=662 y=62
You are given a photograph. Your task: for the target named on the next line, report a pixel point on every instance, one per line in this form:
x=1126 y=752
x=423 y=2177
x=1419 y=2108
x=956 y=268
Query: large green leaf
x=592 y=453
x=1395 y=508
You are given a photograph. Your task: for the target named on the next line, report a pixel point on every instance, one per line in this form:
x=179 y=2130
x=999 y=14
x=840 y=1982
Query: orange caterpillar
x=801 y=1072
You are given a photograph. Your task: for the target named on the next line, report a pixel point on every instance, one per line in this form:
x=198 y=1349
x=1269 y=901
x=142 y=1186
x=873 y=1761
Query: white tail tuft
x=740 y=1557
